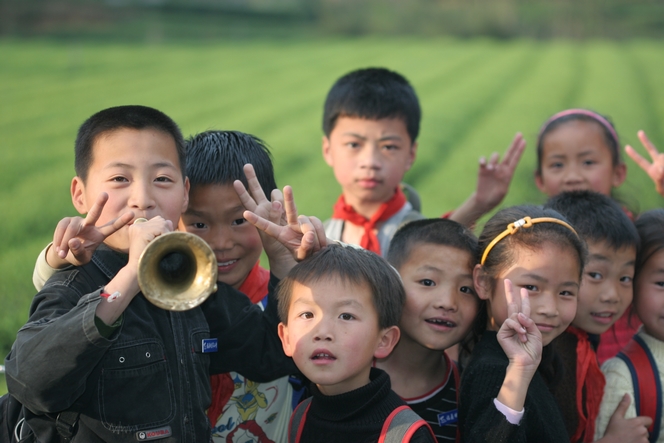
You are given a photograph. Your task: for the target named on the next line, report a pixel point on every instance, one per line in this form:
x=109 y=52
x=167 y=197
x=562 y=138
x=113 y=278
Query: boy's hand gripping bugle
x=522 y=342
x=655 y=170
x=493 y=182
x=75 y=239
x=286 y=236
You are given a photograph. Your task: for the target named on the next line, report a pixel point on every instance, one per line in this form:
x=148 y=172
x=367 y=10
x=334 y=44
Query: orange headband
x=525 y=222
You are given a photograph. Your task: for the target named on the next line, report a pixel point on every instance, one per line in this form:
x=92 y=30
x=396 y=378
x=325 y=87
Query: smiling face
x=649 y=295
x=369 y=158
x=215 y=215
x=333 y=334
x=140 y=171
x=575 y=157
x=606 y=287
x=551 y=276
x=441 y=303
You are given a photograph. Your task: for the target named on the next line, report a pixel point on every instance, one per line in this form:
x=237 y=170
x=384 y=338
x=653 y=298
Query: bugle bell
x=177 y=271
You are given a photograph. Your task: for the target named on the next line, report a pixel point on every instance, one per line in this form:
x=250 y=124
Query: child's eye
x=626 y=279
x=239 y=221
x=119 y=179
x=163 y=179
x=556 y=165
x=306 y=315
x=567 y=293
x=346 y=316
x=589 y=162
x=660 y=283
x=390 y=147
x=530 y=288
x=467 y=290
x=427 y=282
x=199 y=225
x=595 y=275
x=353 y=145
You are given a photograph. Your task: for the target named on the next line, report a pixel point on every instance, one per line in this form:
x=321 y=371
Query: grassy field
x=475 y=95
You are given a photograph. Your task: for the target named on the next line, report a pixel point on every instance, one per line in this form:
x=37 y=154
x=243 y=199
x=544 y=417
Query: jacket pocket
x=133 y=374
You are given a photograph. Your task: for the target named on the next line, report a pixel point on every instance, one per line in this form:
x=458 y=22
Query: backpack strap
x=646 y=382
x=400 y=426
x=297 y=420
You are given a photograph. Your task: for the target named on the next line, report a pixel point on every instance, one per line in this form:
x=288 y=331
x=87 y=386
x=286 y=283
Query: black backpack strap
x=67 y=424
x=401 y=424
x=297 y=421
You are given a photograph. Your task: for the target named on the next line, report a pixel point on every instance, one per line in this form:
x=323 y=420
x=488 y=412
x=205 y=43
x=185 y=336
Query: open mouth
x=323 y=355
x=441 y=322
x=603 y=317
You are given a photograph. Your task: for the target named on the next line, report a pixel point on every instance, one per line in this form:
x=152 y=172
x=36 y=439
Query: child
x=94 y=349
x=622 y=372
x=504 y=395
x=339 y=311
x=215 y=159
x=606 y=292
x=371 y=121
x=578 y=149
x=435 y=259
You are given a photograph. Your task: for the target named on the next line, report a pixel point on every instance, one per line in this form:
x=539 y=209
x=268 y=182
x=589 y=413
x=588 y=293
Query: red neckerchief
x=254 y=287
x=589 y=379
x=369 y=240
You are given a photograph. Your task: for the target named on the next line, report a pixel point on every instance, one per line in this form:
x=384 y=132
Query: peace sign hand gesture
x=655 y=169
x=518 y=335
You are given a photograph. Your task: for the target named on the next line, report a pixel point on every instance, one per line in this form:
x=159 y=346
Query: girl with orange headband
x=529 y=275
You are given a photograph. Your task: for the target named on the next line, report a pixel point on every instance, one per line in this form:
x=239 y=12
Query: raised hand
x=518 y=335
x=494 y=177
x=493 y=182
x=626 y=430
x=655 y=170
x=75 y=239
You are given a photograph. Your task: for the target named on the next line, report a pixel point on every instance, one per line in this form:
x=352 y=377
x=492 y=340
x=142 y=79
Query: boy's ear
x=539 y=182
x=480 y=283
x=619 y=175
x=412 y=155
x=78 y=195
x=282 y=330
x=388 y=340
x=185 y=202
x=327 y=155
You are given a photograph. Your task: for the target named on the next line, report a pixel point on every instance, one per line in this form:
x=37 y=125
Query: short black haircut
x=217 y=158
x=352 y=265
x=122 y=117
x=436 y=231
x=596 y=217
x=650 y=226
x=373 y=93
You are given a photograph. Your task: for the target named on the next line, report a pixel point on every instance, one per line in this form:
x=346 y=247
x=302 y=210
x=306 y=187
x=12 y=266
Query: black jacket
x=150 y=375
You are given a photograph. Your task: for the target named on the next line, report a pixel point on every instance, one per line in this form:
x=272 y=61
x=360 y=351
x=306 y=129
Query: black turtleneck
x=355 y=416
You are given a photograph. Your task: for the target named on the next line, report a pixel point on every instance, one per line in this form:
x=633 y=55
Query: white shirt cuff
x=510 y=414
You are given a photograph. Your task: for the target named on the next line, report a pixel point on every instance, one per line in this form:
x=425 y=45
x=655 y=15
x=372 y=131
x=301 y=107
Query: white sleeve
x=618 y=382
x=510 y=414
x=43 y=271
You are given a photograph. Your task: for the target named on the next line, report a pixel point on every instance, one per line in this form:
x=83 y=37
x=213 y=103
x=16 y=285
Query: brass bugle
x=177 y=271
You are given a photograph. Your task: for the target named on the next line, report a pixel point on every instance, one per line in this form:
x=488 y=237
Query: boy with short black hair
x=92 y=338
x=371 y=121
x=215 y=160
x=339 y=311
x=604 y=295
x=435 y=259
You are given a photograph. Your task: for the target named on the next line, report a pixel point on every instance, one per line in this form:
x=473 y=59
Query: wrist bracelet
x=111 y=297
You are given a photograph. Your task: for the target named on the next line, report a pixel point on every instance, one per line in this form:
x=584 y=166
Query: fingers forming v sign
x=494 y=177
x=300 y=235
x=518 y=335
x=655 y=170
x=75 y=239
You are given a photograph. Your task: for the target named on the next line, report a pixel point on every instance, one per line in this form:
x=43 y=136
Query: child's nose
x=323 y=331
x=547 y=305
x=370 y=157
x=222 y=239
x=610 y=294
x=141 y=197
x=446 y=301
